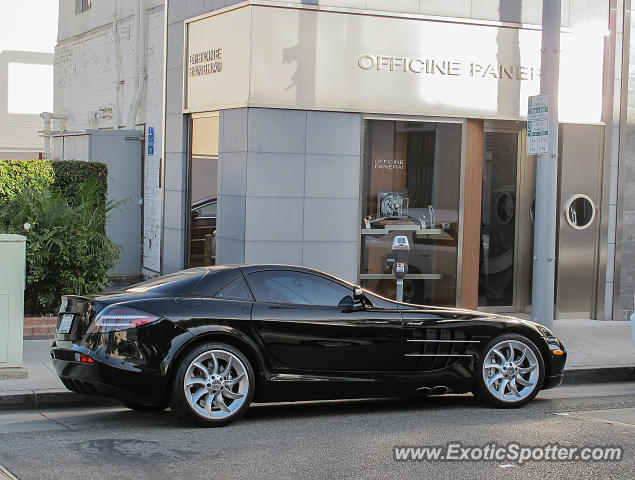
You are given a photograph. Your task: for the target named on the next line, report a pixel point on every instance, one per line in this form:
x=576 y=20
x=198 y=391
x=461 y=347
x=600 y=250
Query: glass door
x=498 y=220
x=203 y=199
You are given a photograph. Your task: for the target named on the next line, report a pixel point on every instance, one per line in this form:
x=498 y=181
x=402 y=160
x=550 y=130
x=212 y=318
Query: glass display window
x=411 y=186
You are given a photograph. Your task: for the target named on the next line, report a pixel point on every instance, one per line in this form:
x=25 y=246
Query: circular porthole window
x=580 y=211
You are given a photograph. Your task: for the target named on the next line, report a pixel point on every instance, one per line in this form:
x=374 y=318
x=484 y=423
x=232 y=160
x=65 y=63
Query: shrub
x=71 y=174
x=17 y=175
x=67 y=248
x=65 y=175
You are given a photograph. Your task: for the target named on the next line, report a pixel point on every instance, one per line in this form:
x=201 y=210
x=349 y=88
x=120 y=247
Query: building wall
x=239 y=238
x=289 y=188
x=627 y=181
x=84 y=84
x=175 y=147
x=19 y=132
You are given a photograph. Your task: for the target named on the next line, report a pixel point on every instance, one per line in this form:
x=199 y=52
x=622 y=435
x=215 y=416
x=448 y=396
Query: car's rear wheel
x=510 y=373
x=213 y=385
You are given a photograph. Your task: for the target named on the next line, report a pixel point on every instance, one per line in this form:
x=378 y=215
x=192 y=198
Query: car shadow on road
x=266 y=411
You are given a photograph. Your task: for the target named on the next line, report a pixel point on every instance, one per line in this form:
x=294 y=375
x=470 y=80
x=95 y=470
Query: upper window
x=285 y=286
x=235 y=290
x=82 y=5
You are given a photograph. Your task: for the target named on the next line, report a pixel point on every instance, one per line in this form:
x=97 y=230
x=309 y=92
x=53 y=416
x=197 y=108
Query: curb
x=60 y=398
x=56 y=398
x=13 y=373
x=580 y=376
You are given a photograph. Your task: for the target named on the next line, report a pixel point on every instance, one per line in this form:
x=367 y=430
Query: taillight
x=114 y=318
x=80 y=357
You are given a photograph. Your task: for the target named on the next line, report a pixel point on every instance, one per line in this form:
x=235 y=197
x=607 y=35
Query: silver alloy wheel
x=511 y=371
x=216 y=384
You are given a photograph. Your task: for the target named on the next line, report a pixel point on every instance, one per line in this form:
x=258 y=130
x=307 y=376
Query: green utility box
x=12 y=281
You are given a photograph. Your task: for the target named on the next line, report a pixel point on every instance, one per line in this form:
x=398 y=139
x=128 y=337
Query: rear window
x=179 y=282
x=235 y=290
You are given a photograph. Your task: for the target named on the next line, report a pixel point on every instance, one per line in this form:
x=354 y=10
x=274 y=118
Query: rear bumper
x=108 y=381
x=130 y=365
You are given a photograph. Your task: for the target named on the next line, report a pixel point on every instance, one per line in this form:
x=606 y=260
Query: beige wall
x=19 y=137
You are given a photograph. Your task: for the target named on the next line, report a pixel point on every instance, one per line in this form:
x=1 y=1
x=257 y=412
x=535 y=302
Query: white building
x=96 y=80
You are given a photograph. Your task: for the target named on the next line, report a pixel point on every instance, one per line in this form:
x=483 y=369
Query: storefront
x=317 y=135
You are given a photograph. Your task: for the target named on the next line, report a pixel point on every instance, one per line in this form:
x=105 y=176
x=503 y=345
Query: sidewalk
x=42 y=387
x=598 y=352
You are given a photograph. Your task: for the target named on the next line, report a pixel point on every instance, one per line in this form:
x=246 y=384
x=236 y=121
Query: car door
x=307 y=321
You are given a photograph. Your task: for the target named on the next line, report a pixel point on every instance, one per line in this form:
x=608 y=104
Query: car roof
x=250 y=268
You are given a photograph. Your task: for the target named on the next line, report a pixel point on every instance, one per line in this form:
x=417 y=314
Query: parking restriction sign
x=538 y=124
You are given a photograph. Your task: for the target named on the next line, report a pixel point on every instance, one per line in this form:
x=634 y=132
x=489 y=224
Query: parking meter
x=400 y=252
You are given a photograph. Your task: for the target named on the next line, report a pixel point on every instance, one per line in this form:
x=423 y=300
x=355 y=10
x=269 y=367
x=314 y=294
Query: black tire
x=144 y=408
x=480 y=388
x=194 y=413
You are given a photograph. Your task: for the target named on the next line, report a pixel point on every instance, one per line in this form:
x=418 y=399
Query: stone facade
x=627 y=184
x=307 y=215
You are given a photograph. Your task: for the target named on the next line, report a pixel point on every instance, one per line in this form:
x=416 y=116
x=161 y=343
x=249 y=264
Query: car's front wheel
x=213 y=385
x=510 y=373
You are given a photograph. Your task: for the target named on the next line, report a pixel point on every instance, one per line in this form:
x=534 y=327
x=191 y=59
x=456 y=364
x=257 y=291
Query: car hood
x=474 y=314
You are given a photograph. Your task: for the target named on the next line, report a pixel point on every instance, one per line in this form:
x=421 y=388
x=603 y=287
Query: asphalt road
x=352 y=439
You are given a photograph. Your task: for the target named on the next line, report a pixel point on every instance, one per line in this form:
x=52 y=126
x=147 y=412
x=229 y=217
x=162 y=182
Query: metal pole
x=400 y=290
x=542 y=310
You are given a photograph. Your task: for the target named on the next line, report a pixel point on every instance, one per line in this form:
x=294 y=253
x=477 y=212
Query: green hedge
x=65 y=175
x=64 y=204
x=16 y=175
x=71 y=174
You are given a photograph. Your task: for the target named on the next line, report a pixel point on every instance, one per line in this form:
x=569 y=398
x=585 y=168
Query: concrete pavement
x=596 y=344
x=345 y=439
x=597 y=352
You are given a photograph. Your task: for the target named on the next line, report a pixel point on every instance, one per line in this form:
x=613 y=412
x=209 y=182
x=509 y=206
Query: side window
x=235 y=290
x=283 y=286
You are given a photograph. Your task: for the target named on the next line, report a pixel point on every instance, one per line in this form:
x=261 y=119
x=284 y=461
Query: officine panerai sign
x=205 y=62
x=388 y=164
x=450 y=68
x=415 y=67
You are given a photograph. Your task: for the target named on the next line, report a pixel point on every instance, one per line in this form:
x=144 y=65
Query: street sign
x=538 y=125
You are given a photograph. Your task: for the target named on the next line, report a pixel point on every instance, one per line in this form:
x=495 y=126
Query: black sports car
x=210 y=340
